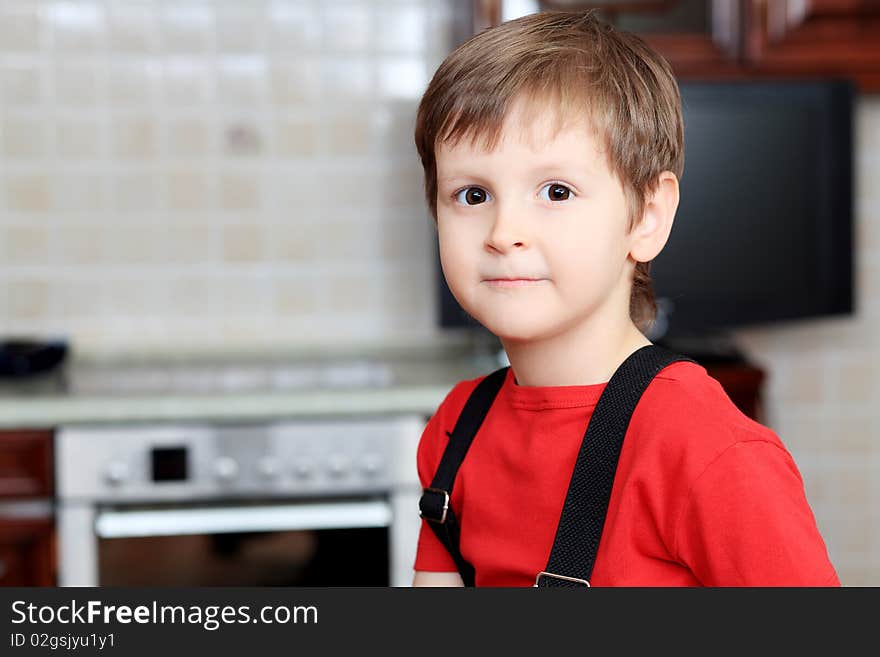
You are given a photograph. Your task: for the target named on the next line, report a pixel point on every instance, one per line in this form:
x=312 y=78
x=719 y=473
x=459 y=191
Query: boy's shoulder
x=686 y=407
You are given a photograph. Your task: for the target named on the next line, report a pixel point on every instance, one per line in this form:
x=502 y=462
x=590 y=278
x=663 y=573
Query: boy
x=552 y=147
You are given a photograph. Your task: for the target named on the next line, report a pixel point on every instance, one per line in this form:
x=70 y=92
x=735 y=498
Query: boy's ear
x=649 y=236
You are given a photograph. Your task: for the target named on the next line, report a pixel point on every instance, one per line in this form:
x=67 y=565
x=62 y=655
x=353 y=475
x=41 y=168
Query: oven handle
x=219 y=520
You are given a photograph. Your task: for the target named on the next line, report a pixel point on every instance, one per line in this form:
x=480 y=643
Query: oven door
x=335 y=542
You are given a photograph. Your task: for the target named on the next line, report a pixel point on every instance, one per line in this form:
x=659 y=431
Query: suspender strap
x=586 y=504
x=434 y=503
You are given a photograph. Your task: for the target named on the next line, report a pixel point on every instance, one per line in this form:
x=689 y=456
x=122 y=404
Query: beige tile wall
x=185 y=172
x=823 y=386
x=179 y=172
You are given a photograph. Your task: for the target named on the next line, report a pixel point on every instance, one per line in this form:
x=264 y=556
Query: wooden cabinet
x=25 y=464
x=27 y=551
x=27 y=525
x=737 y=39
x=814 y=38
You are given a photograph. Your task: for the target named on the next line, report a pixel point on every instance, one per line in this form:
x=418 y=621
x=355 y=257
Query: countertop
x=242 y=387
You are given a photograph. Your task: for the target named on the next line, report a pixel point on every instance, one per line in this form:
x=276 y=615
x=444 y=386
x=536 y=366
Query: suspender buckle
x=564 y=580
x=434 y=503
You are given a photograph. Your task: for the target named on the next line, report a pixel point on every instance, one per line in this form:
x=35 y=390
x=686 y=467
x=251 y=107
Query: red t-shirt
x=703 y=495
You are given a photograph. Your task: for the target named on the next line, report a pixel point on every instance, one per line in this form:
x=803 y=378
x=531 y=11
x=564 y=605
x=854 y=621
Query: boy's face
x=533 y=235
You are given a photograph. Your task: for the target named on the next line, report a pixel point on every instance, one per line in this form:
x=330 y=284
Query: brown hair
x=578 y=65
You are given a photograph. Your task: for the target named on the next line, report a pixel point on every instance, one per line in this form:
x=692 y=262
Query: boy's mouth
x=512 y=282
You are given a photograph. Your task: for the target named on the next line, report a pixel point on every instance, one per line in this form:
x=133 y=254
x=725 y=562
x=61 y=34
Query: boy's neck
x=583 y=356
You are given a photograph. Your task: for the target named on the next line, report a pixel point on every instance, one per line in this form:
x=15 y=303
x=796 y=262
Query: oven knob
x=304 y=468
x=269 y=467
x=226 y=468
x=116 y=473
x=371 y=464
x=338 y=465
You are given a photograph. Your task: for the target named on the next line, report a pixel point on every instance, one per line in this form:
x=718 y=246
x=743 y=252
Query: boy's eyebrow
x=567 y=169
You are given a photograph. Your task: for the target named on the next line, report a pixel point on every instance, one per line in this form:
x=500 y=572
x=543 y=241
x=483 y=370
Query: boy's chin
x=514 y=330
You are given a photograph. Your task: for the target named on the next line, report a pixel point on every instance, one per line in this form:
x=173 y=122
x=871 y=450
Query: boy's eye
x=556 y=192
x=472 y=196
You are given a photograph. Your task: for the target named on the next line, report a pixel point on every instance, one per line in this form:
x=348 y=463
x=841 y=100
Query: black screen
x=763 y=228
x=169 y=463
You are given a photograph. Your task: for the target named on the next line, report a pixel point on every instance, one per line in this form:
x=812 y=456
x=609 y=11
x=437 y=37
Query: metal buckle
x=445 y=505
x=562 y=577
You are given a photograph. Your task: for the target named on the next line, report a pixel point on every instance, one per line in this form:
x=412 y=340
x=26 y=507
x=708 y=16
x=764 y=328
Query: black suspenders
x=589 y=491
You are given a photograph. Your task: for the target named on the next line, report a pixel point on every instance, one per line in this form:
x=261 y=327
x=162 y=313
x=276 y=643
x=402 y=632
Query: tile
x=24 y=245
x=244 y=243
x=240 y=191
x=76 y=84
x=131 y=245
x=21 y=85
x=858 y=380
x=394 y=123
x=293 y=26
x=76 y=298
x=295 y=296
x=77 y=27
x=21 y=28
x=296 y=240
x=189 y=137
x=186 y=27
x=187 y=82
x=407 y=237
x=347 y=26
x=80 y=192
x=80 y=245
x=294 y=83
x=133 y=298
x=240 y=29
x=347 y=240
x=28 y=299
x=23 y=138
x=349 y=136
x=400 y=29
x=246 y=296
x=346 y=77
x=188 y=190
x=402 y=77
x=134 y=82
x=136 y=191
x=135 y=138
x=402 y=186
x=195 y=296
x=27 y=192
x=242 y=80
x=243 y=137
x=132 y=27
x=349 y=293
x=79 y=138
x=198 y=243
x=296 y=137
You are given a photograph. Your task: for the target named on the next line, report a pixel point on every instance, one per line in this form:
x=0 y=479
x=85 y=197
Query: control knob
x=269 y=467
x=226 y=468
x=304 y=468
x=116 y=473
x=371 y=464
x=338 y=465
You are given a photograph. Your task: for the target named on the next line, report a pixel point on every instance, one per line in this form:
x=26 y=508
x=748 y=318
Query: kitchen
x=217 y=208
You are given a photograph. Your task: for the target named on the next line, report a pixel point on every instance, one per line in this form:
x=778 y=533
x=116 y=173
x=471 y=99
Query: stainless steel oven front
x=293 y=503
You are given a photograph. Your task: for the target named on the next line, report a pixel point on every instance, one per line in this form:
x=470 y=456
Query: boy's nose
x=507 y=232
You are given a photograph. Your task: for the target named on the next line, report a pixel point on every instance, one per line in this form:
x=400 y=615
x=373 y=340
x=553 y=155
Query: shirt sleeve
x=747 y=522
x=431 y=554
